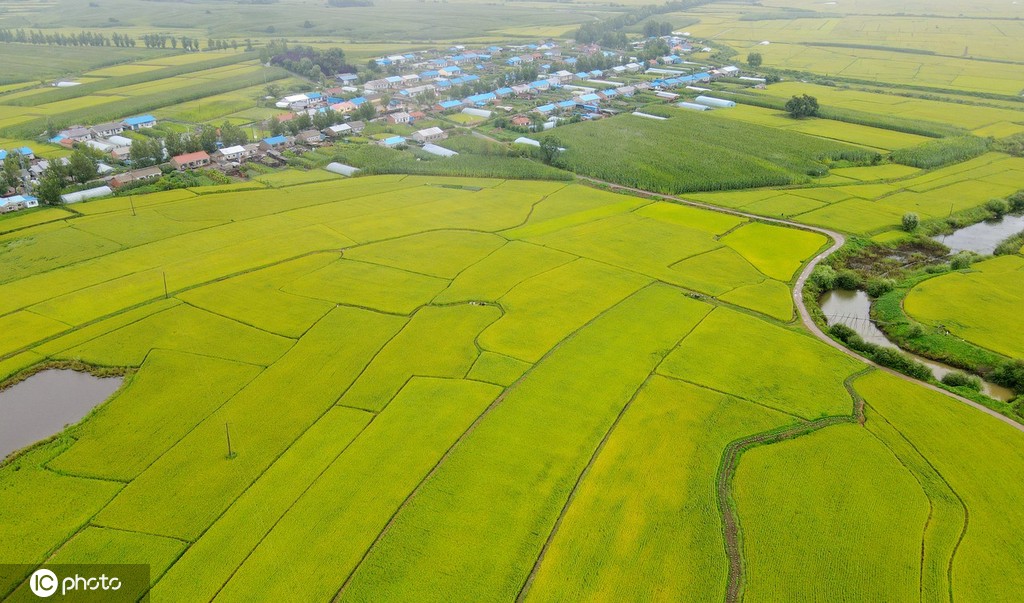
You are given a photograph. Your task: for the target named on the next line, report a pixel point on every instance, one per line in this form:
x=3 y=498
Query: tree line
x=117 y=40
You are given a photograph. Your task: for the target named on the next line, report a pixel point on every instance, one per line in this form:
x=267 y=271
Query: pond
x=46 y=402
x=853 y=309
x=983 y=237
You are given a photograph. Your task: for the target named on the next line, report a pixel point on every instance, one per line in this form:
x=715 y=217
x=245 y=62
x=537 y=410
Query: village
x=413 y=99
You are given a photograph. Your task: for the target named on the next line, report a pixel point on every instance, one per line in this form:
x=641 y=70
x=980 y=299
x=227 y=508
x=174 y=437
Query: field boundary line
x=468 y=432
x=963 y=504
x=528 y=582
x=838 y=240
x=731 y=530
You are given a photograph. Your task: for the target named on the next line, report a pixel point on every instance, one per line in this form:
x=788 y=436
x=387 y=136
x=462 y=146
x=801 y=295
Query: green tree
x=51 y=183
x=208 y=139
x=232 y=135
x=10 y=175
x=910 y=222
x=754 y=59
x=81 y=166
x=802 y=106
x=549 y=149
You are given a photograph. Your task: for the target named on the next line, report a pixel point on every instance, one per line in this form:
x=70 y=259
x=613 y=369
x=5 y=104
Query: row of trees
x=85 y=38
x=609 y=32
x=117 y=40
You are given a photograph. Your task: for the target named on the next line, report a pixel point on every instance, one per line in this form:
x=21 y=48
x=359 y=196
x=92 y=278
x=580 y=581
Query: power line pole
x=227 y=432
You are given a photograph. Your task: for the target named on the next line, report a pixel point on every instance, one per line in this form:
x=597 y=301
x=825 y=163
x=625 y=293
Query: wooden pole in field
x=165 y=285
x=131 y=199
x=227 y=432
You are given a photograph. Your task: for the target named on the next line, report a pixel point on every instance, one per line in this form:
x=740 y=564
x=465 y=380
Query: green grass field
x=719 y=153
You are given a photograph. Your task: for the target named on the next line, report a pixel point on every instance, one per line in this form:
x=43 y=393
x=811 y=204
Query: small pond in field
x=983 y=237
x=46 y=402
x=853 y=309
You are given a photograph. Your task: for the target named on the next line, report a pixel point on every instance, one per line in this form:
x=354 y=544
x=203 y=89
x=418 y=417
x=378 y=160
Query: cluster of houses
x=105 y=138
x=18 y=202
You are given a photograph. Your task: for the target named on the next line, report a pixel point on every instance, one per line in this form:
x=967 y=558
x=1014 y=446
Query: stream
x=853 y=309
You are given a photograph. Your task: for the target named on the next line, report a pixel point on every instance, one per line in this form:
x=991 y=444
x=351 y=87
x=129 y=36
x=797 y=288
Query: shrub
x=842 y=332
x=910 y=222
x=877 y=287
x=961 y=379
x=1010 y=374
x=997 y=206
x=847 y=279
x=1010 y=245
x=899 y=361
x=1016 y=201
x=824 y=277
x=962 y=260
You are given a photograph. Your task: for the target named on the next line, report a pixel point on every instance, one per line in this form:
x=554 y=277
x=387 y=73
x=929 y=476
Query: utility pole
x=165 y=285
x=227 y=432
x=131 y=200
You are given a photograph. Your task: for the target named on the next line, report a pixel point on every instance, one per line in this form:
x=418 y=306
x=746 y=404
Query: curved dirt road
x=798 y=295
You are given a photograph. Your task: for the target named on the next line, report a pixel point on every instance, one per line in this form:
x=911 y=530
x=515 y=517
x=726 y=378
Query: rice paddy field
x=980 y=305
x=872 y=199
x=207 y=86
x=514 y=377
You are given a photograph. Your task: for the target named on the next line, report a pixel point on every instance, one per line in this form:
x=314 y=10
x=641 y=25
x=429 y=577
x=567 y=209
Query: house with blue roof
x=383 y=62
x=274 y=143
x=513 y=61
x=393 y=79
x=347 y=77
x=545 y=109
x=589 y=98
x=140 y=121
x=481 y=99
x=450 y=71
x=357 y=100
x=449 y=104
x=23 y=151
x=17 y=202
x=429 y=74
x=443 y=83
x=566 y=104
x=314 y=95
x=504 y=91
x=494 y=49
x=596 y=73
x=540 y=85
x=439 y=62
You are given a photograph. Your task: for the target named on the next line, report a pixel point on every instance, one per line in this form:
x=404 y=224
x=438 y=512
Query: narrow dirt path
x=798 y=294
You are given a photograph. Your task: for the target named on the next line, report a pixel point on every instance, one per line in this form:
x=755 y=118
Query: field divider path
x=838 y=240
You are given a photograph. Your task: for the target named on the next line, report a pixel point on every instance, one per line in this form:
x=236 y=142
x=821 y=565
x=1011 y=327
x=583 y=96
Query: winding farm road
x=798 y=295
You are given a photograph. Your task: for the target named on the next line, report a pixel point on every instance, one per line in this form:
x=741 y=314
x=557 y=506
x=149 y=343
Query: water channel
x=983 y=237
x=853 y=309
x=46 y=402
